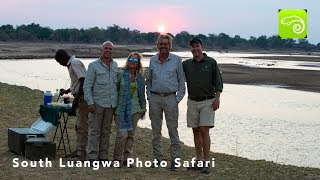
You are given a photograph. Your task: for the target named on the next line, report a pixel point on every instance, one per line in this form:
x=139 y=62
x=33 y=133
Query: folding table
x=59 y=117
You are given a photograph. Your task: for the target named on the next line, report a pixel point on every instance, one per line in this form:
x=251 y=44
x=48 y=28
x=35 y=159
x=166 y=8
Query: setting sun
x=161 y=28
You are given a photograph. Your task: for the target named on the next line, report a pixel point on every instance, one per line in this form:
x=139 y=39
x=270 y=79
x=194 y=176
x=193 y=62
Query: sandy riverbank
x=306 y=80
x=27 y=50
x=288 y=58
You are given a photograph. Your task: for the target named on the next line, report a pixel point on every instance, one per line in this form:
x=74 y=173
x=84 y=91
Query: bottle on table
x=56 y=96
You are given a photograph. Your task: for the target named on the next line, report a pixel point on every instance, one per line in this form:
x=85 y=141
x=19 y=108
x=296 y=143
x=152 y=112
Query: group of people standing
x=105 y=93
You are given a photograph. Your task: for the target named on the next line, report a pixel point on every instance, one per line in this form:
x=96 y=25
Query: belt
x=163 y=94
x=201 y=98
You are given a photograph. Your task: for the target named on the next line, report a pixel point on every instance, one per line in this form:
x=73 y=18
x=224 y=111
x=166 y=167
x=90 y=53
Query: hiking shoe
x=117 y=162
x=155 y=164
x=101 y=161
x=205 y=170
x=195 y=167
x=92 y=161
x=72 y=155
x=173 y=166
x=79 y=158
x=125 y=164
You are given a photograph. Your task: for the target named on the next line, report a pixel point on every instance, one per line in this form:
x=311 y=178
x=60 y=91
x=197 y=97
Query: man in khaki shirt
x=101 y=94
x=77 y=72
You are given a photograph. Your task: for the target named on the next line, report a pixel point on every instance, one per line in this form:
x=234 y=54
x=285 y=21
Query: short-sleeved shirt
x=203 y=77
x=76 y=71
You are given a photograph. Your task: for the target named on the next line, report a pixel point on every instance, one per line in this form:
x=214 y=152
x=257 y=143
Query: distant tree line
x=35 y=33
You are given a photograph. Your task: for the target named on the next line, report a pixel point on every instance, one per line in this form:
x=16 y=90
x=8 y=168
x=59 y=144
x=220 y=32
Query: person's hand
x=92 y=108
x=216 y=104
x=62 y=92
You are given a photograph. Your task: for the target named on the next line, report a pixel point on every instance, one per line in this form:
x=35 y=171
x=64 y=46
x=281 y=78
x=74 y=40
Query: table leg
x=65 y=128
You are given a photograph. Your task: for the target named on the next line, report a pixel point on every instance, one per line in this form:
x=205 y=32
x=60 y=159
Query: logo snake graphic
x=298 y=24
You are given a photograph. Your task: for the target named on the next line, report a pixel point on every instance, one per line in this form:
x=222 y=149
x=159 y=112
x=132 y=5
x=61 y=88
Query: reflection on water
x=44 y=74
x=255 y=122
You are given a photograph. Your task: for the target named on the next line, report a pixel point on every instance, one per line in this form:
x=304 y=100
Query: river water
x=256 y=122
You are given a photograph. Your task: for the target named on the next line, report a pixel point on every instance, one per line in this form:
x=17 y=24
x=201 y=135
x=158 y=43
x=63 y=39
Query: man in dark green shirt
x=204 y=84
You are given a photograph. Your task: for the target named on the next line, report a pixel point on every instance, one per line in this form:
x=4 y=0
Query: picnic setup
x=34 y=142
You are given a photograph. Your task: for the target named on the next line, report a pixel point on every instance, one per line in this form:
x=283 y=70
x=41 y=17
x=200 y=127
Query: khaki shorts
x=200 y=113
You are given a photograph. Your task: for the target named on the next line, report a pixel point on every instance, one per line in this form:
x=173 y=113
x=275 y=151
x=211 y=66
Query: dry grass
x=19 y=108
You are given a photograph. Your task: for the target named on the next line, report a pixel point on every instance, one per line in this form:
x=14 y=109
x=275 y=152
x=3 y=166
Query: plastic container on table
x=47 y=97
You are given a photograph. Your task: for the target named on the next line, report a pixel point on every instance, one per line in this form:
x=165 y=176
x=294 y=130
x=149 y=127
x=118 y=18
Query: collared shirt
x=167 y=77
x=203 y=77
x=100 y=85
x=76 y=71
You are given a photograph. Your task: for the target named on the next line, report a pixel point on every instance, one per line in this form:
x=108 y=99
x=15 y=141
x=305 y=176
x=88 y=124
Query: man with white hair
x=101 y=94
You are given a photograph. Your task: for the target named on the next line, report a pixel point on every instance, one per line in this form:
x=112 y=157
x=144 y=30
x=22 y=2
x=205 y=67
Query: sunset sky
x=233 y=17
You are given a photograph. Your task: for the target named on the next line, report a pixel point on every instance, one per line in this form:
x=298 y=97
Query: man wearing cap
x=165 y=89
x=204 y=84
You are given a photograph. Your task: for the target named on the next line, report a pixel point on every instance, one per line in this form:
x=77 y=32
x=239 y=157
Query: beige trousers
x=82 y=127
x=123 y=147
x=168 y=105
x=99 y=132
